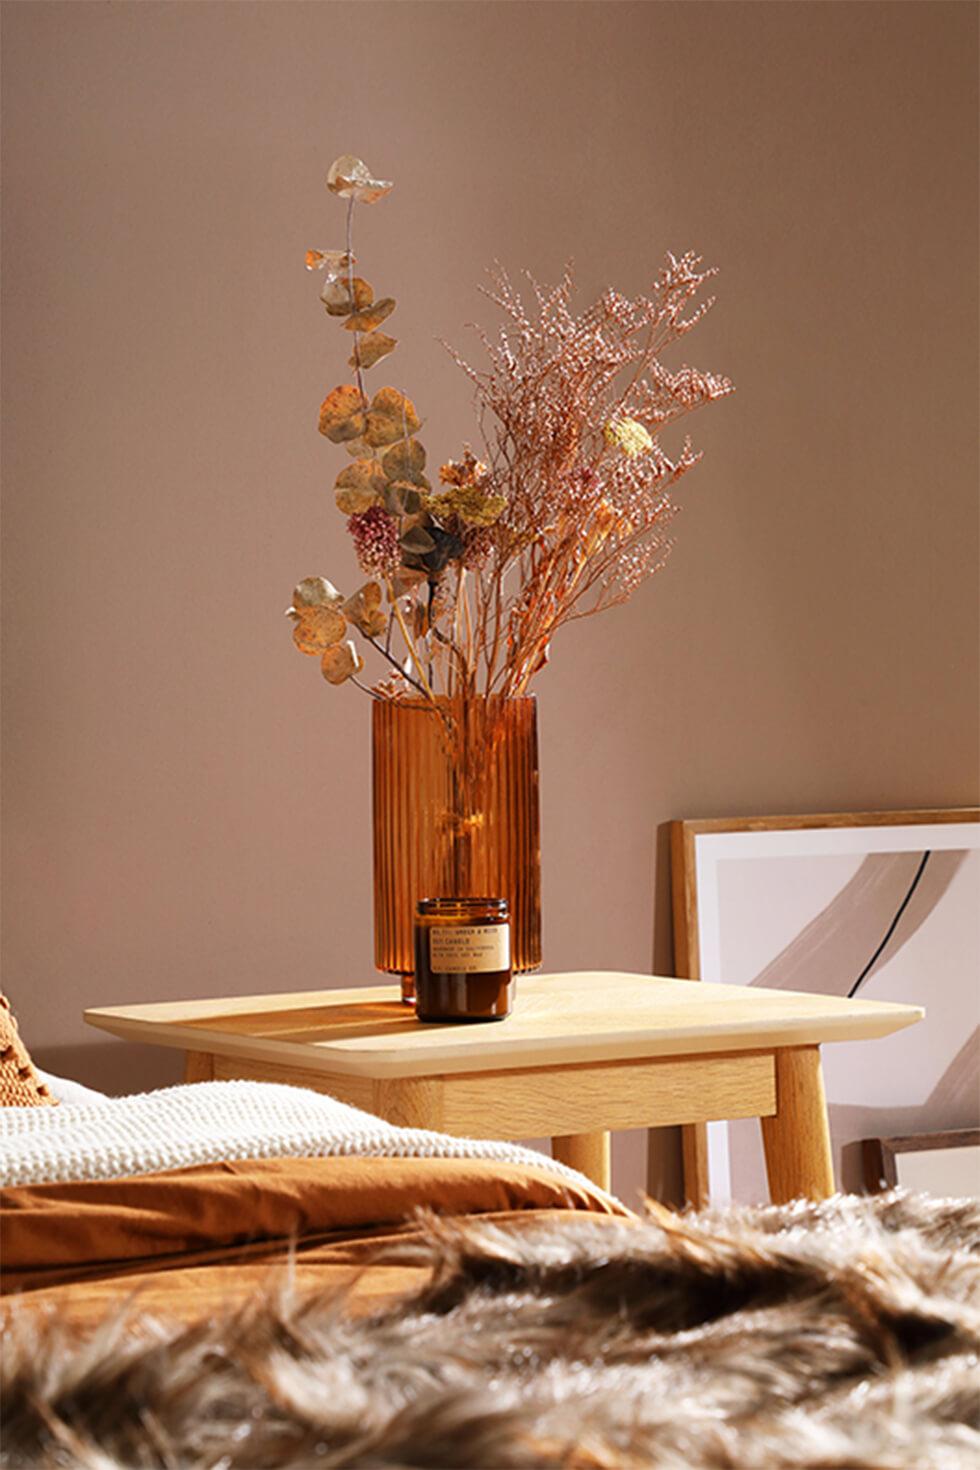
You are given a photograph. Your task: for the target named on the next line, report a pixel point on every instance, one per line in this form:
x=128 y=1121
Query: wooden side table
x=581 y=1055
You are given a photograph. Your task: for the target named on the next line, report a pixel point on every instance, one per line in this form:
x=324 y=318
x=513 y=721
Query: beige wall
x=186 y=805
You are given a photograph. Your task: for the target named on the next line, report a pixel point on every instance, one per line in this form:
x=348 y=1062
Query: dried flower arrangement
x=566 y=516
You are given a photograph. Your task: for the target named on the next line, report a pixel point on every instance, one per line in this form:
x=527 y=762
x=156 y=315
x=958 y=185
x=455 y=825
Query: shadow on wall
x=116 y=1067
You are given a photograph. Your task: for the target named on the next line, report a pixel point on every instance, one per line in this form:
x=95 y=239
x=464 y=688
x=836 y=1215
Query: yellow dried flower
x=465 y=496
x=626 y=434
x=468 y=502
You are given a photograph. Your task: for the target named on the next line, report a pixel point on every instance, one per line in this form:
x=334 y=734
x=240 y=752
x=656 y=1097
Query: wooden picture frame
x=688 y=918
x=882 y=1157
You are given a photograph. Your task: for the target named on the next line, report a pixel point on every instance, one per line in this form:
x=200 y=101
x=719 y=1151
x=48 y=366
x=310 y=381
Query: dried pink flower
x=375 y=536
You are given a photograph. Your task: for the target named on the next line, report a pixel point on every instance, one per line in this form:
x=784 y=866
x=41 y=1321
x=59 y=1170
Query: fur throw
x=835 y=1335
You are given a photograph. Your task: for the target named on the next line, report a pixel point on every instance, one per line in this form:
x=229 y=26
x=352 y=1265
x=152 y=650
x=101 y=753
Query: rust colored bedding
x=189 y=1242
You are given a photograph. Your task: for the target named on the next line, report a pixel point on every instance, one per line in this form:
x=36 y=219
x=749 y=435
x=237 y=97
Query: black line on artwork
x=891 y=927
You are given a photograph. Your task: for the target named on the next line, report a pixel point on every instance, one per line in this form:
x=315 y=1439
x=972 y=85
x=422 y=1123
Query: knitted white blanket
x=210 y=1122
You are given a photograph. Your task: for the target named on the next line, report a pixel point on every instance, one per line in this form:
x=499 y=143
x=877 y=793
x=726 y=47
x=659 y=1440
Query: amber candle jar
x=462 y=959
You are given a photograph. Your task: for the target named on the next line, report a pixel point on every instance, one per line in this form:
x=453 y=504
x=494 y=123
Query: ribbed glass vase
x=456 y=814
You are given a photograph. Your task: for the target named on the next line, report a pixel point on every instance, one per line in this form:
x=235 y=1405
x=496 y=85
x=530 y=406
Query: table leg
x=586 y=1152
x=198 y=1066
x=797 y=1139
x=694 y=1153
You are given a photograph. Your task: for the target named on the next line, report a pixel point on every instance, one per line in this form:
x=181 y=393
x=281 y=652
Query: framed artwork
x=940 y=1163
x=883 y=905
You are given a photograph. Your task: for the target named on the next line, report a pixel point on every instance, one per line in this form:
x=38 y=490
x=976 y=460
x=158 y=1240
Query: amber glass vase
x=456 y=815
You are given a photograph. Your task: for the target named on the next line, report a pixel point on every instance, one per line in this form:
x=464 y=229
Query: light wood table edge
x=636 y=1045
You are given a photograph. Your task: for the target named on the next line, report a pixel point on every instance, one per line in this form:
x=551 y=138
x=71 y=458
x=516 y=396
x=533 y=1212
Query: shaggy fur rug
x=835 y=1335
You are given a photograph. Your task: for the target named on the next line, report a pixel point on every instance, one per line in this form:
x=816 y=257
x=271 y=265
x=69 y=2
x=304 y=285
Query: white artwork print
x=883 y=913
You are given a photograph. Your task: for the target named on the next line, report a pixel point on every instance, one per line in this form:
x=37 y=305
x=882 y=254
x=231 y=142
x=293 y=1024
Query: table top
x=588 y=1016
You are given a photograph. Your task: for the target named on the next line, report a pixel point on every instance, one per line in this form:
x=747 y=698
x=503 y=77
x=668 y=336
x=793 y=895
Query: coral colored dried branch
x=571 y=407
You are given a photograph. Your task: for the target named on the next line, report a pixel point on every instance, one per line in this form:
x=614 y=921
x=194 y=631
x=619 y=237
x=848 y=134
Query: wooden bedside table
x=580 y=1055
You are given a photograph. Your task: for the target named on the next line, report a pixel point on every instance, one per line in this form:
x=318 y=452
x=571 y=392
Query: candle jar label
x=470 y=949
